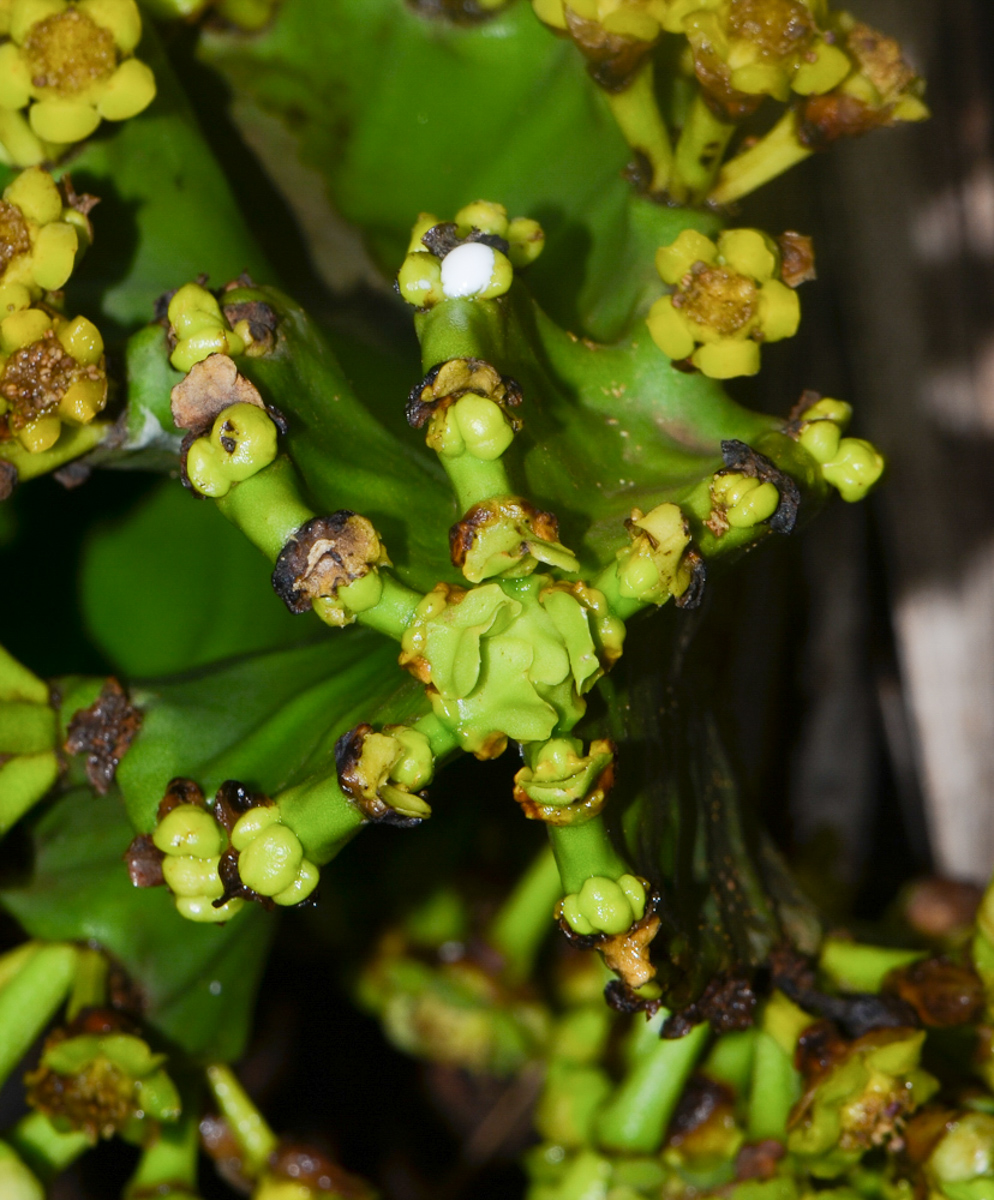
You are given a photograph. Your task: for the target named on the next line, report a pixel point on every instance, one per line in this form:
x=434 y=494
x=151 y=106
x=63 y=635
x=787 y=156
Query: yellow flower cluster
x=41 y=238
x=728 y=298
x=52 y=372
x=65 y=65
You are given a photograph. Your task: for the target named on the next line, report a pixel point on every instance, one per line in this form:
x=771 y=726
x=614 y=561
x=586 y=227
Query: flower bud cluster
x=654 y=565
x=200 y=328
x=52 y=372
x=98 y=1079
x=66 y=65
x=851 y=465
x=213 y=860
x=605 y=905
x=242 y=441
x=473 y=257
x=728 y=298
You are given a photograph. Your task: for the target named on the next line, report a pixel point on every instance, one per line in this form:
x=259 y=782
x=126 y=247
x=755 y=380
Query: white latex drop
x=467 y=270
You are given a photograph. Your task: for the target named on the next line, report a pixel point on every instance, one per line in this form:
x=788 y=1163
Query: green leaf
x=199 y=981
x=173 y=586
x=402 y=113
x=268 y=721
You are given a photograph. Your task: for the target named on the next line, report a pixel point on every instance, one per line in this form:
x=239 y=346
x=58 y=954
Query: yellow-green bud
x=270 y=862
x=188 y=829
x=187 y=876
x=241 y=443
x=605 y=905
x=484 y=215
x=420 y=279
x=476 y=270
x=250 y=824
x=202 y=910
x=855 y=469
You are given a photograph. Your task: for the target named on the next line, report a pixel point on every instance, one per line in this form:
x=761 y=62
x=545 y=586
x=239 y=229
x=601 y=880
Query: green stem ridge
x=30 y=998
x=255 y=1139
x=635 y=1118
x=522 y=921
x=46 y=1150
x=643 y=127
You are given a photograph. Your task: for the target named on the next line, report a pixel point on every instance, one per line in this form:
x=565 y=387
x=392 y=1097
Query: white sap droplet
x=467 y=270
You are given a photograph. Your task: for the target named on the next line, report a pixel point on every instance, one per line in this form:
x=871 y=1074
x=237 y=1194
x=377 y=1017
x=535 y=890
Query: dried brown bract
x=104 y=732
x=323 y=555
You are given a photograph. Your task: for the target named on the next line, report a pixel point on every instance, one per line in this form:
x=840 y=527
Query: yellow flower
x=65 y=66
x=52 y=372
x=41 y=238
x=728 y=298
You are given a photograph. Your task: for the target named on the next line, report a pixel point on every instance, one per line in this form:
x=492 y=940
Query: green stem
x=26 y=728
x=623 y=607
x=524 y=918
x=773 y=154
x=254 y=1137
x=321 y=815
x=774 y=1089
x=46 y=1150
x=857 y=968
x=24 y=780
x=13 y=961
x=268 y=508
x=443 y=739
x=700 y=148
x=29 y=1000
x=171 y=1159
x=638 y=116
x=634 y=1120
x=475 y=480
x=73 y=443
x=89 y=989
x=394 y=610
x=584 y=851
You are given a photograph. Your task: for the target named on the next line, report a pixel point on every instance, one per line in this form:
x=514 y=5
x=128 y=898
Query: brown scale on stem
x=446 y=382
x=326 y=553
x=104 y=732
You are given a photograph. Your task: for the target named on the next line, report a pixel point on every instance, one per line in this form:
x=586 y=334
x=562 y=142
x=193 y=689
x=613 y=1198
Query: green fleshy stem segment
x=89 y=989
x=45 y=1149
x=171 y=1159
x=470 y=438
x=773 y=154
x=775 y=1085
x=30 y=998
x=523 y=919
x=74 y=442
x=699 y=151
x=254 y=1137
x=585 y=852
x=643 y=127
x=853 y=967
x=269 y=509
x=635 y=1118
x=17 y=1182
x=475 y=480
x=321 y=815
x=24 y=780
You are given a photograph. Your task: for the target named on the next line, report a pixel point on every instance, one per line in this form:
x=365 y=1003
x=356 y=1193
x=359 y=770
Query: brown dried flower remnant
x=104 y=732
x=325 y=554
